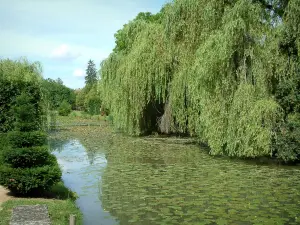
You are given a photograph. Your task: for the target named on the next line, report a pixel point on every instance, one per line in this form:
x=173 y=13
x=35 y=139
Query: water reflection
x=143 y=182
x=82 y=171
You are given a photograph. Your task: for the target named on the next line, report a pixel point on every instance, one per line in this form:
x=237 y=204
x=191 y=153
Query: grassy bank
x=59 y=199
x=59 y=210
x=78 y=118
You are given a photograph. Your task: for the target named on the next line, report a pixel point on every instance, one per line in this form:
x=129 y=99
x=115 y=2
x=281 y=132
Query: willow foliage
x=138 y=79
x=206 y=68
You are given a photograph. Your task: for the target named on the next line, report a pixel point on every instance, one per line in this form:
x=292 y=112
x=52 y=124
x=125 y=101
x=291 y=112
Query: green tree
x=64 y=109
x=56 y=92
x=222 y=71
x=27 y=166
x=93 y=101
x=80 y=98
x=16 y=77
x=91 y=73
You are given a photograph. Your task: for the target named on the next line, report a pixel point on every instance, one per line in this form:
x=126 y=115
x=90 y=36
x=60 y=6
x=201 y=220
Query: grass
x=59 y=199
x=59 y=210
x=79 y=117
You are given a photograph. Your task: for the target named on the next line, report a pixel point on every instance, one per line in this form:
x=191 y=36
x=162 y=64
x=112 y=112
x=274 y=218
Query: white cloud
x=17 y=44
x=79 y=73
x=64 y=52
x=62 y=38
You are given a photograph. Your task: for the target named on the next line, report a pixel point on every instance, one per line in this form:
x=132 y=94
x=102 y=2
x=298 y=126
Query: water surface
x=152 y=182
x=82 y=172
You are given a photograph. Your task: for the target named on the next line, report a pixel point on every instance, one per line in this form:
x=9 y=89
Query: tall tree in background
x=91 y=73
x=88 y=98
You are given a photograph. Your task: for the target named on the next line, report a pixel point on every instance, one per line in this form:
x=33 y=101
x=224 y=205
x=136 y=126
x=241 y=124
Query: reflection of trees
x=90 y=146
x=57 y=144
x=91 y=156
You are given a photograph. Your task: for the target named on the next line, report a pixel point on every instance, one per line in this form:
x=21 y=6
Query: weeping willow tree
x=207 y=68
x=139 y=76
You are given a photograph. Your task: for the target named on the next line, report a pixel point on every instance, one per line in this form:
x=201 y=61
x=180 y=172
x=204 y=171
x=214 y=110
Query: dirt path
x=4 y=196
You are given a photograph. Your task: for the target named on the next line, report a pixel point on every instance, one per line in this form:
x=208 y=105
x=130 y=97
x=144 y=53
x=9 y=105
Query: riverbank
x=98 y=128
x=59 y=210
x=59 y=199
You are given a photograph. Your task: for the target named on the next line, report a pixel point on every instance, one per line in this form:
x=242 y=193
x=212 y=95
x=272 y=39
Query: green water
x=153 y=182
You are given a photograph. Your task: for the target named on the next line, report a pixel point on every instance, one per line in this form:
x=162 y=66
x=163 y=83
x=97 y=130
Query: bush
x=26 y=113
x=19 y=139
x=28 y=157
x=16 y=77
x=286 y=145
x=29 y=180
x=3 y=141
x=93 y=102
x=64 y=109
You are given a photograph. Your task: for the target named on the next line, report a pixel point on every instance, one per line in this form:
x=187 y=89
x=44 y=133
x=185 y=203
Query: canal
x=144 y=181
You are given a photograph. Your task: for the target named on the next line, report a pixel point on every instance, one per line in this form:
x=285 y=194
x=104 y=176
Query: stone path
x=30 y=215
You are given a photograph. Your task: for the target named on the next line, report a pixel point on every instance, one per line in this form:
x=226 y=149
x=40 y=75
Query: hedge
x=28 y=157
x=19 y=139
x=29 y=180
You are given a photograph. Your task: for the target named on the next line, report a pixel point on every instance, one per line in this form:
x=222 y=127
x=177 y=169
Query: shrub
x=64 y=109
x=93 y=102
x=19 y=139
x=3 y=141
x=18 y=77
x=286 y=145
x=28 y=157
x=29 y=180
x=26 y=113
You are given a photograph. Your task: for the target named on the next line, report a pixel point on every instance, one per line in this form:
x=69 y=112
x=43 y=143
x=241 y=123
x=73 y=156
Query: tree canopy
x=17 y=77
x=223 y=71
x=56 y=92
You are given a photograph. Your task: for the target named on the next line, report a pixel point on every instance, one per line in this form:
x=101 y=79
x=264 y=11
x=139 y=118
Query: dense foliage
x=17 y=77
x=224 y=71
x=29 y=180
x=64 y=108
x=28 y=157
x=88 y=98
x=92 y=102
x=26 y=163
x=19 y=139
x=56 y=92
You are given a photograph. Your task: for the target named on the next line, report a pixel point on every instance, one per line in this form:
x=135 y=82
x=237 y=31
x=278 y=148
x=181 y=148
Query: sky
x=64 y=34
